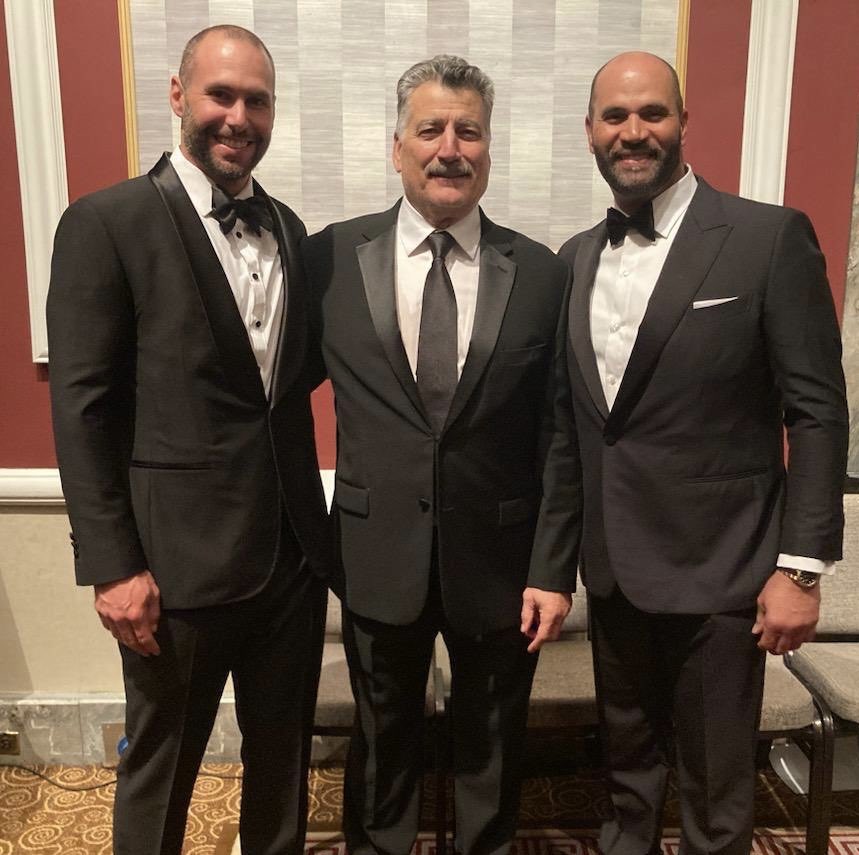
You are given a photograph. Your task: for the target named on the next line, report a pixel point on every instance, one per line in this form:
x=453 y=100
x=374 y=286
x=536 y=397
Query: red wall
x=821 y=161
x=821 y=154
x=716 y=89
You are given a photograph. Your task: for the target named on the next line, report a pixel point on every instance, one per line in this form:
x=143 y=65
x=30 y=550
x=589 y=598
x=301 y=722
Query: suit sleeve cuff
x=812 y=565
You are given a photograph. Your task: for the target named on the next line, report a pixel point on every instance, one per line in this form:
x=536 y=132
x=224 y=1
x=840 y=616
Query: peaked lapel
x=231 y=339
x=376 y=260
x=584 y=272
x=699 y=239
x=495 y=282
x=291 y=342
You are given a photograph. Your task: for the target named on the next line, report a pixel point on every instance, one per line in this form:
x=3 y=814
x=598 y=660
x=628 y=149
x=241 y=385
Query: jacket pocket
x=730 y=476
x=518 y=356
x=352 y=499
x=156 y=464
x=715 y=313
x=514 y=511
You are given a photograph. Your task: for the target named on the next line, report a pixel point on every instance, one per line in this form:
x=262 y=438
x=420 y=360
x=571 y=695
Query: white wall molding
x=37 y=107
x=30 y=487
x=42 y=486
x=769 y=81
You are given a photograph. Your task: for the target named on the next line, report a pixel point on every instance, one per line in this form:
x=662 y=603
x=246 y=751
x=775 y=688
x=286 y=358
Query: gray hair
x=452 y=72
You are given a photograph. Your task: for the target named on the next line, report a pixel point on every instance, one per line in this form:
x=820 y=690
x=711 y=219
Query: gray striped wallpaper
x=337 y=66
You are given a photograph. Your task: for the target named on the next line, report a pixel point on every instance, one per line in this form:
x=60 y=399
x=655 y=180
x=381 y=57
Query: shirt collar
x=413 y=230
x=197 y=184
x=671 y=204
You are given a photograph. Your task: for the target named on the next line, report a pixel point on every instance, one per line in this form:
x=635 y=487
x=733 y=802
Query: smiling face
x=442 y=152
x=636 y=128
x=227 y=108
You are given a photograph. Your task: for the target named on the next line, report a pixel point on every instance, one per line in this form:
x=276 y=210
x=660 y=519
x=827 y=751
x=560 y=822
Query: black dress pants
x=491 y=684
x=696 y=680
x=272 y=645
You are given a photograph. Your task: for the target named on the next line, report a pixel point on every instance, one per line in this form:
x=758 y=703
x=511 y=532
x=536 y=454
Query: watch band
x=803 y=578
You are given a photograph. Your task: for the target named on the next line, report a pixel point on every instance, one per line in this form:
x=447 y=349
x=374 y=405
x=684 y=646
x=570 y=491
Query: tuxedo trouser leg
x=491 y=680
x=705 y=673
x=276 y=675
x=388 y=667
x=171 y=703
x=633 y=689
x=717 y=706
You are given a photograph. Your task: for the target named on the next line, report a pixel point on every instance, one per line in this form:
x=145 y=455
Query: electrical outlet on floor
x=10 y=742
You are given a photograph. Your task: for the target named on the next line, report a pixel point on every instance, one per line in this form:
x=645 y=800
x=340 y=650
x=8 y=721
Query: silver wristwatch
x=803 y=578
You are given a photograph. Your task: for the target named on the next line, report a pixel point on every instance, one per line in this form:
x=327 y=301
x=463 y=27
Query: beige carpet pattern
x=41 y=818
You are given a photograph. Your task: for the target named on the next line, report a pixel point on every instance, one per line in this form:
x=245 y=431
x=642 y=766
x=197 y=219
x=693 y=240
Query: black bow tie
x=618 y=224
x=254 y=211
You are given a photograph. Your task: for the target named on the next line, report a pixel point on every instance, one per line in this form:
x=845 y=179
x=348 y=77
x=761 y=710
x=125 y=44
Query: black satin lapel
x=584 y=273
x=495 y=282
x=691 y=255
x=293 y=323
x=231 y=338
x=376 y=259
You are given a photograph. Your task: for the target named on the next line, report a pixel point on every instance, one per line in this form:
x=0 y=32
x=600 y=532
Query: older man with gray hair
x=438 y=334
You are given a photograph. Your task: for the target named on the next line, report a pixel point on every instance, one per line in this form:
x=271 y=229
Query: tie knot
x=618 y=224
x=441 y=244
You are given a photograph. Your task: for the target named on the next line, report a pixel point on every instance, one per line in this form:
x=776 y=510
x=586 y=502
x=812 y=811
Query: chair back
x=839 y=593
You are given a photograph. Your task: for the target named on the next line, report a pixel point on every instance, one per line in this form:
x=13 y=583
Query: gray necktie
x=437 y=350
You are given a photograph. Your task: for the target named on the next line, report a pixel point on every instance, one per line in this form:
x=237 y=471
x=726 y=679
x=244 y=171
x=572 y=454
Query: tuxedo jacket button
x=424 y=504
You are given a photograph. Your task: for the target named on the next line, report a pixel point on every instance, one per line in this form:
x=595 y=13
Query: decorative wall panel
x=850 y=333
x=337 y=65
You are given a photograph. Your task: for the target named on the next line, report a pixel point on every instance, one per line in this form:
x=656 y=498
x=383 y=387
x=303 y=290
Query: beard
x=196 y=140
x=647 y=183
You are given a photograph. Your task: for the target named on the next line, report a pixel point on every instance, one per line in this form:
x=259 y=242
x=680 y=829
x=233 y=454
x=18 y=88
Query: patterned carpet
x=72 y=815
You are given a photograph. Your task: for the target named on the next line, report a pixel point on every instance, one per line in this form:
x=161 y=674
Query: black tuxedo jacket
x=170 y=454
x=479 y=482
x=686 y=500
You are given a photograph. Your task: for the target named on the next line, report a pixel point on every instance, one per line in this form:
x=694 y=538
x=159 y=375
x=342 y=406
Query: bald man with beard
x=701 y=327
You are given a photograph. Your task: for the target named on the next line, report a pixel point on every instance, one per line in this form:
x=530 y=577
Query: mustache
x=460 y=169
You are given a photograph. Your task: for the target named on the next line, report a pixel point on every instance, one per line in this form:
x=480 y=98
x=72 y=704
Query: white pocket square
x=706 y=304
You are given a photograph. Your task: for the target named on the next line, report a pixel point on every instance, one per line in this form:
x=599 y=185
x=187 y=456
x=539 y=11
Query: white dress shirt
x=412 y=263
x=625 y=279
x=251 y=264
x=624 y=282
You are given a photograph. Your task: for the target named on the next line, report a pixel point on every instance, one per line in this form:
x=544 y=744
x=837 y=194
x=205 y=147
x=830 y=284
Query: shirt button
x=254 y=276
x=257 y=324
x=622 y=273
x=611 y=379
x=614 y=327
x=238 y=234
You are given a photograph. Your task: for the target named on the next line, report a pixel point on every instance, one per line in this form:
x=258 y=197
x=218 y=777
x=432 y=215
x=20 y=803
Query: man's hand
x=543 y=613
x=129 y=610
x=787 y=614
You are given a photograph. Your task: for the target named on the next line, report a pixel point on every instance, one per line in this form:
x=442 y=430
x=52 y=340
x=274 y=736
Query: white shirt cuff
x=812 y=565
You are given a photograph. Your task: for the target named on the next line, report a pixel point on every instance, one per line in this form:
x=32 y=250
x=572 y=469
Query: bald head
x=636 y=127
x=640 y=63
x=222 y=32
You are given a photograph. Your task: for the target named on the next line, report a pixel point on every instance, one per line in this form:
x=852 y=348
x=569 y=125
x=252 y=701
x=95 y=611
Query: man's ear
x=395 y=152
x=589 y=131
x=177 y=96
